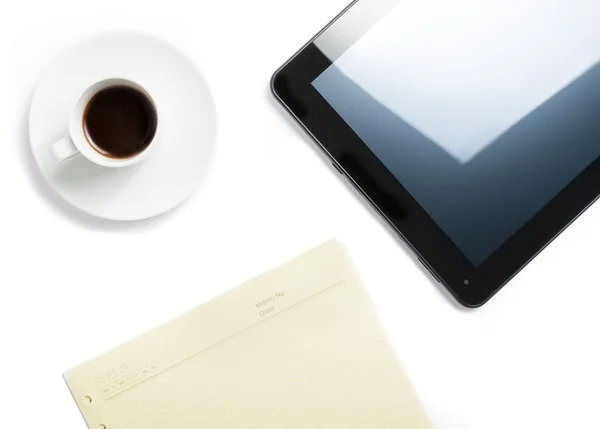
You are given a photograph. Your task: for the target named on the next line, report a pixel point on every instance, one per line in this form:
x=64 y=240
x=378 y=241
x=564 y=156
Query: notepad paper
x=298 y=347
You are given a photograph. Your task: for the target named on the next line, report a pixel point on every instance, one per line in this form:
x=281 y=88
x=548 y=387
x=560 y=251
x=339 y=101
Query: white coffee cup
x=77 y=143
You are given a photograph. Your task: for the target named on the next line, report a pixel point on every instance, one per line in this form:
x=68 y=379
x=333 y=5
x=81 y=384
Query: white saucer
x=182 y=157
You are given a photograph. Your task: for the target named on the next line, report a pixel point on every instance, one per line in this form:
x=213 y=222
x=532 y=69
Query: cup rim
x=77 y=133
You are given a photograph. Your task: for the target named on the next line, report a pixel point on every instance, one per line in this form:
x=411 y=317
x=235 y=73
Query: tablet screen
x=483 y=111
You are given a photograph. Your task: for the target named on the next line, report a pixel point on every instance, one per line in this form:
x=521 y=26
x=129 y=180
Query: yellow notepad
x=298 y=347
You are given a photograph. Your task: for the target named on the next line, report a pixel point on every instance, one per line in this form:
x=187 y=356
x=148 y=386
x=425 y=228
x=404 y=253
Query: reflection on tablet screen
x=484 y=111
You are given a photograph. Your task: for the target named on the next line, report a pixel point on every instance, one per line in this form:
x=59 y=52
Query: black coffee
x=119 y=121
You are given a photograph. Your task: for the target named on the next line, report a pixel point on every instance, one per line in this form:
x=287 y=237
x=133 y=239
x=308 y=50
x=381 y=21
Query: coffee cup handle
x=64 y=149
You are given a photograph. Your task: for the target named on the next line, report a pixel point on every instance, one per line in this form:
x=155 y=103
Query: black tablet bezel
x=471 y=285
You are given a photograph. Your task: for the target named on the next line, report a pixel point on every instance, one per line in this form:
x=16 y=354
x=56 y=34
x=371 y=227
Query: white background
x=72 y=287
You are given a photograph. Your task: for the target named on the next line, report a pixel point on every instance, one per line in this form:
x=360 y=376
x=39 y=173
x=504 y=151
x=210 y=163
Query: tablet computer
x=472 y=127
